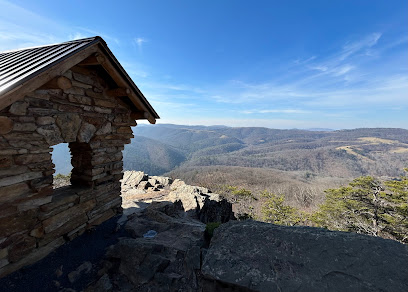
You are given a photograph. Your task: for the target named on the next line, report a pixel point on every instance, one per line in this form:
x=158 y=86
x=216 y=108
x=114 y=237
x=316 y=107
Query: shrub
x=239 y=194
x=62 y=176
x=275 y=211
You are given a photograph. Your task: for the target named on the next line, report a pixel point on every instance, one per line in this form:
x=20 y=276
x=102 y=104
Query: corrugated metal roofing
x=18 y=65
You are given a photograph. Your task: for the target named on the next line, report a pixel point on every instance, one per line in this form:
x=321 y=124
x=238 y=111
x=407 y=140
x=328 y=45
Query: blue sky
x=278 y=64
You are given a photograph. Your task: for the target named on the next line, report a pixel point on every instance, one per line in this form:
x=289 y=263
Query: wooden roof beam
x=120 y=91
x=141 y=115
x=60 y=82
x=96 y=59
x=122 y=83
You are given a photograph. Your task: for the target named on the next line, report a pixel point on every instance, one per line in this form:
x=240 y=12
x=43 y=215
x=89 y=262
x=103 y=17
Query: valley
x=299 y=164
x=346 y=153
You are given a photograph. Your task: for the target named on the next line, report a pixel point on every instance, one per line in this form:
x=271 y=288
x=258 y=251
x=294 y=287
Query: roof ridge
x=55 y=44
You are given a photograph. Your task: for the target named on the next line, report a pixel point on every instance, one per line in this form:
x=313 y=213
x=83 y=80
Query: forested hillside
x=151 y=155
x=346 y=153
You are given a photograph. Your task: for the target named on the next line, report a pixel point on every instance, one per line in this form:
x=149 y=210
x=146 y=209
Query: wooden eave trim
x=123 y=74
x=123 y=83
x=40 y=79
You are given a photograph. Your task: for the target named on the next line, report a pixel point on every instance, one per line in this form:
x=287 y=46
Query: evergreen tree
x=398 y=214
x=275 y=211
x=366 y=206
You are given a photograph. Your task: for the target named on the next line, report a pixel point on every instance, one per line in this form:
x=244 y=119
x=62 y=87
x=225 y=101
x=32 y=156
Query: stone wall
x=34 y=218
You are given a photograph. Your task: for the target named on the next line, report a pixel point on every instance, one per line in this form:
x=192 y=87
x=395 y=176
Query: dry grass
x=399 y=150
x=302 y=190
x=374 y=140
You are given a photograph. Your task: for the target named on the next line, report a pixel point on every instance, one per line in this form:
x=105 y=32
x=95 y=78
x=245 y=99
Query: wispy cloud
x=354 y=47
x=88 y=32
x=304 y=61
x=33 y=29
x=76 y=36
x=346 y=78
x=139 y=41
x=364 y=75
x=277 y=111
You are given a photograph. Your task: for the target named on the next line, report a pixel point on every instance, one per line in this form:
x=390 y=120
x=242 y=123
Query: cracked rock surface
x=285 y=259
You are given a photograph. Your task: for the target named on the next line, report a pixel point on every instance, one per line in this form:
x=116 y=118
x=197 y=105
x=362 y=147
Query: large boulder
x=163 y=180
x=164 y=253
x=193 y=197
x=198 y=202
x=133 y=178
x=279 y=258
x=216 y=211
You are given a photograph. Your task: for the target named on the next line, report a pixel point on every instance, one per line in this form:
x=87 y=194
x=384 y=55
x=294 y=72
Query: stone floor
x=72 y=266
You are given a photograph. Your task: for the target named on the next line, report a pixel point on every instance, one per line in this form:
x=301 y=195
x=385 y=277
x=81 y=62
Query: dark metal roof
x=18 y=65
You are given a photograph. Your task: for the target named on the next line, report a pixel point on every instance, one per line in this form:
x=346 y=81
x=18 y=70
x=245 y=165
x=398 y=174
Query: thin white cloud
x=351 y=48
x=319 y=68
x=305 y=61
x=278 y=111
x=33 y=29
x=139 y=41
x=341 y=70
x=77 y=36
x=344 y=79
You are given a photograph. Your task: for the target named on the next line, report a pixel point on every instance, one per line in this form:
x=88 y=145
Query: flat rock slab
x=256 y=256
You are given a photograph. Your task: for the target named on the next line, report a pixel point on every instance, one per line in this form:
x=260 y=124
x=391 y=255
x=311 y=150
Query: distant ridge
x=320 y=129
x=336 y=153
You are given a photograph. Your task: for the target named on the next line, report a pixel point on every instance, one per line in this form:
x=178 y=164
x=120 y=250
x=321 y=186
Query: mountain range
x=157 y=149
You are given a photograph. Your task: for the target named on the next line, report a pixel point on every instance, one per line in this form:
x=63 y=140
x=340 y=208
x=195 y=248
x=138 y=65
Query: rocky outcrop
x=162 y=254
x=216 y=211
x=167 y=251
x=158 y=246
x=279 y=258
x=197 y=201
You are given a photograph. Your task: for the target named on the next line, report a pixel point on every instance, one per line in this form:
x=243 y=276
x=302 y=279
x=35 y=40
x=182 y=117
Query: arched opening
x=73 y=165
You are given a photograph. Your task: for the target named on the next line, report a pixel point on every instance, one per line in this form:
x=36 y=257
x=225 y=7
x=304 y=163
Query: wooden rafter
x=60 y=82
x=122 y=83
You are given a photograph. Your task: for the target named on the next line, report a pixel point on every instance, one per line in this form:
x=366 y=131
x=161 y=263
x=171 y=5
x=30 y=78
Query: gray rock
x=105 y=129
x=133 y=178
x=144 y=185
x=19 y=108
x=163 y=180
x=175 y=210
x=167 y=262
x=102 y=285
x=193 y=258
x=86 y=132
x=216 y=211
x=255 y=256
x=193 y=197
x=140 y=259
x=51 y=134
x=45 y=121
x=176 y=183
x=152 y=181
x=69 y=125
x=85 y=268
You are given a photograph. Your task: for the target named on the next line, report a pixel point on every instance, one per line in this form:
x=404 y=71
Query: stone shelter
x=74 y=92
